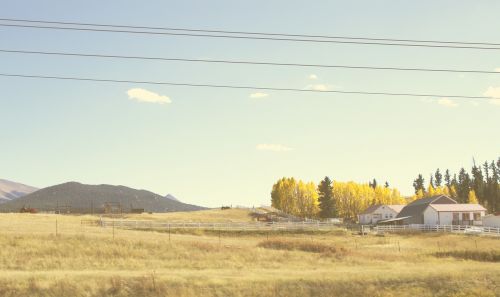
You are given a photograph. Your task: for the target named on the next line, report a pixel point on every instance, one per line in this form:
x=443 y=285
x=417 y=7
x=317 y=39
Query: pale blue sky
x=202 y=147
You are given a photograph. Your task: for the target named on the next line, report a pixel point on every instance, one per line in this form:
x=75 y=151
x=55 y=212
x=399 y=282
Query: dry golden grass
x=87 y=261
x=207 y=216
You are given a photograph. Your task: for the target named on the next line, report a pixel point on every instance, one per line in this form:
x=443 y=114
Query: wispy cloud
x=497 y=69
x=318 y=87
x=143 y=95
x=258 y=95
x=493 y=92
x=447 y=102
x=273 y=147
x=313 y=76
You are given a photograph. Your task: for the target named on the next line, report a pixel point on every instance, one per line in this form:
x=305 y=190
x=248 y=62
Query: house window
x=465 y=216
x=456 y=216
x=477 y=216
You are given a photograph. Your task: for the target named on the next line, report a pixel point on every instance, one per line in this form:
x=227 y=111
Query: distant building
x=440 y=210
x=491 y=221
x=379 y=212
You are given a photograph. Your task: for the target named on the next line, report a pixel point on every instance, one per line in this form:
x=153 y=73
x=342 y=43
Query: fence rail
x=439 y=228
x=277 y=226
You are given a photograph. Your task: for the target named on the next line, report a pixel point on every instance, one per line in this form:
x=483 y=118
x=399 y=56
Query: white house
x=491 y=221
x=378 y=212
x=454 y=214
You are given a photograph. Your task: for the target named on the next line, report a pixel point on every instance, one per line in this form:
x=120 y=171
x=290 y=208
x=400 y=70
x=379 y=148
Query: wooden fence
x=439 y=228
x=233 y=226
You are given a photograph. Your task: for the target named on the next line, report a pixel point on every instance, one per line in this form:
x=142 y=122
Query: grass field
x=87 y=261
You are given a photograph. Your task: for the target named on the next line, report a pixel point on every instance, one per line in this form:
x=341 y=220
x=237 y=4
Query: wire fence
x=233 y=226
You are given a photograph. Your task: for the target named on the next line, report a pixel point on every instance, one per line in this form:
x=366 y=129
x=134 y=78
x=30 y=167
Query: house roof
x=418 y=206
x=396 y=207
x=391 y=220
x=371 y=209
x=457 y=207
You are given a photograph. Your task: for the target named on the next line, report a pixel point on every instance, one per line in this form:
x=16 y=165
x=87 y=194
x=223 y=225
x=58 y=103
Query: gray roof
x=371 y=209
x=418 y=206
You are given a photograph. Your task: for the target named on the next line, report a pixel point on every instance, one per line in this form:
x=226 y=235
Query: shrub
x=483 y=256
x=299 y=245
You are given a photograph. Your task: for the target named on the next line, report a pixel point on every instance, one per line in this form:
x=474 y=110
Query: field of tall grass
x=92 y=261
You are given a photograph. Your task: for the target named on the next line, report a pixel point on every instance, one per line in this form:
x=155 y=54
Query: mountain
x=10 y=190
x=171 y=197
x=80 y=198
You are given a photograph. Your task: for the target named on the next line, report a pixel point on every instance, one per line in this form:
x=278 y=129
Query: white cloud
x=493 y=92
x=313 y=76
x=474 y=103
x=143 y=95
x=447 y=102
x=497 y=69
x=427 y=100
x=273 y=147
x=318 y=87
x=258 y=95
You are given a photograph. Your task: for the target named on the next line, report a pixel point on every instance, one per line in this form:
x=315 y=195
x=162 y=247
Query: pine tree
x=463 y=185
x=439 y=178
x=386 y=184
x=373 y=184
x=418 y=184
x=447 y=178
x=478 y=184
x=327 y=203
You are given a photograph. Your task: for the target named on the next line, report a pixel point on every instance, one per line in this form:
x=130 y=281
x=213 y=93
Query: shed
x=491 y=221
x=379 y=212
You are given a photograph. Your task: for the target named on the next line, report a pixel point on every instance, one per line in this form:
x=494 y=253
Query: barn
x=379 y=212
x=441 y=210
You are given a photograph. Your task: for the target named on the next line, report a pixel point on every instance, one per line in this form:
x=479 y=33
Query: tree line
x=330 y=199
x=481 y=185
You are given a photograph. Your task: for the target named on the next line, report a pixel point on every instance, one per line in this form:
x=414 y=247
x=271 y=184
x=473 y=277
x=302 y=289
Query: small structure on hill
x=379 y=212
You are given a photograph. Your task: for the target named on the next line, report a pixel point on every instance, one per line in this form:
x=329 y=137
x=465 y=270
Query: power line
x=72 y=54
x=324 y=41
x=246 y=32
x=243 y=87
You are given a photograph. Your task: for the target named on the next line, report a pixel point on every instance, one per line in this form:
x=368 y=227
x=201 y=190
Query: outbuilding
x=441 y=210
x=491 y=221
x=379 y=212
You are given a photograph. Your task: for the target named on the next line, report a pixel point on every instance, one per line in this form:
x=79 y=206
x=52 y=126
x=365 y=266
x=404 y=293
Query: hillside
x=81 y=198
x=10 y=190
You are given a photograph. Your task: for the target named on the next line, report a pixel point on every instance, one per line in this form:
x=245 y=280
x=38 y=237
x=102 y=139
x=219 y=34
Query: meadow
x=86 y=260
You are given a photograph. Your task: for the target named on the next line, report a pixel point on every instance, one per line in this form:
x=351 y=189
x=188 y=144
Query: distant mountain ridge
x=81 y=198
x=10 y=190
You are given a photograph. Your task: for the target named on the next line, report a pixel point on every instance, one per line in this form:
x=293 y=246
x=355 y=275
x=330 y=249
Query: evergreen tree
x=373 y=184
x=327 y=205
x=478 y=184
x=386 y=184
x=494 y=186
x=439 y=178
x=431 y=181
x=419 y=184
x=463 y=186
x=447 y=178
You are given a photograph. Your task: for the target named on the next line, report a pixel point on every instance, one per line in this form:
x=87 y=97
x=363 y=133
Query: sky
x=216 y=147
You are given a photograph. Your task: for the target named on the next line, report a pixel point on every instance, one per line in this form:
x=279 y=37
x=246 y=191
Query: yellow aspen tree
x=472 y=199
